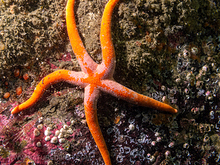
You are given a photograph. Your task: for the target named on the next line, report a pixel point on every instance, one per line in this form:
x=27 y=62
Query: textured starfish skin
x=93 y=77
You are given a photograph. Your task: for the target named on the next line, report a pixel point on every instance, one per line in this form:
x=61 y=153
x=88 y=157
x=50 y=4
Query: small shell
x=157 y=134
x=152 y=158
x=73 y=122
x=158 y=139
x=167 y=154
x=2 y=46
x=131 y=127
x=47 y=138
x=65 y=127
x=186 y=145
x=49 y=128
x=50 y=162
x=54 y=140
x=60 y=135
x=40 y=119
x=38 y=144
x=206 y=139
x=163 y=88
x=70 y=131
x=40 y=126
x=153 y=143
x=57 y=132
x=62 y=130
x=47 y=132
x=66 y=135
x=36 y=132
x=194 y=50
x=62 y=140
x=171 y=144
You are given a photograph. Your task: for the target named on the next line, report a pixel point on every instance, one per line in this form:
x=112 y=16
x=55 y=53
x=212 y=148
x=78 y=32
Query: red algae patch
x=18 y=90
x=16 y=72
x=6 y=95
x=25 y=76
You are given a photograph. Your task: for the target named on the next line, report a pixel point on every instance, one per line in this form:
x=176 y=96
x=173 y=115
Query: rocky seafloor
x=165 y=49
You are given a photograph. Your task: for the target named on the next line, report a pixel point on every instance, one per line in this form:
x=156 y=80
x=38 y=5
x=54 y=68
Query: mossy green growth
x=3 y=152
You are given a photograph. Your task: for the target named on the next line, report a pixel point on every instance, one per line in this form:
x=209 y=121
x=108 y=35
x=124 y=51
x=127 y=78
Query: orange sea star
x=93 y=77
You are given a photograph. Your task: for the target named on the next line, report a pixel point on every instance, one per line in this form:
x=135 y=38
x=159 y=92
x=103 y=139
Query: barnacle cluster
x=29 y=31
x=152 y=32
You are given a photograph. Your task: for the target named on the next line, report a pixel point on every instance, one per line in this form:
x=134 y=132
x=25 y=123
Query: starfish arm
x=85 y=61
x=90 y=103
x=107 y=66
x=55 y=77
x=127 y=94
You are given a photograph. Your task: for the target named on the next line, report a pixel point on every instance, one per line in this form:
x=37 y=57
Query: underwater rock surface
x=167 y=50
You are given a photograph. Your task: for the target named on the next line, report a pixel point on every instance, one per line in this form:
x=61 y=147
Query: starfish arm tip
x=15 y=110
x=175 y=110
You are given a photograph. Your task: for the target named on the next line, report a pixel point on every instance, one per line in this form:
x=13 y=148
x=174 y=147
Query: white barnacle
x=54 y=140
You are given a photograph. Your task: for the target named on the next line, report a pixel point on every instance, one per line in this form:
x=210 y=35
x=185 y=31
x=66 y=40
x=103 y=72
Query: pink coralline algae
x=28 y=141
